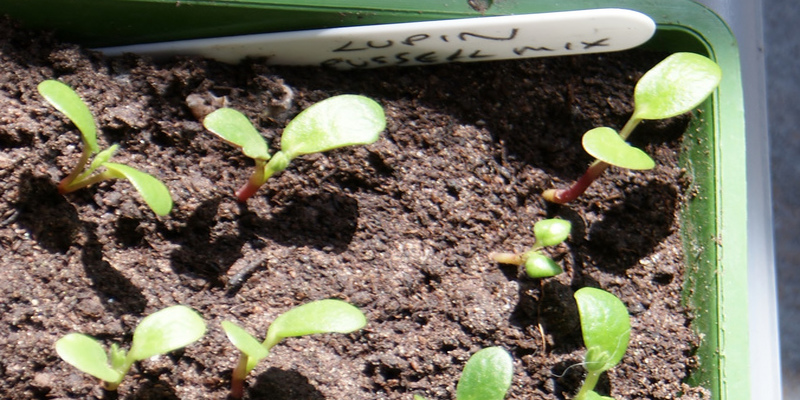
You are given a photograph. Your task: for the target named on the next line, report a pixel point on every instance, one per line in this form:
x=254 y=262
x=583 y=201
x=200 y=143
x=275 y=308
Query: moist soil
x=400 y=228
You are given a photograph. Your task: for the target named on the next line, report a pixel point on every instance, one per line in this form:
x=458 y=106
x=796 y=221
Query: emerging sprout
x=64 y=99
x=674 y=86
x=606 y=328
x=322 y=316
x=336 y=122
x=487 y=376
x=548 y=232
x=159 y=333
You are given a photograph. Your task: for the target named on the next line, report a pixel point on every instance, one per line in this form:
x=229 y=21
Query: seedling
x=548 y=232
x=322 y=316
x=159 y=333
x=64 y=99
x=676 y=85
x=336 y=122
x=606 y=328
x=487 y=376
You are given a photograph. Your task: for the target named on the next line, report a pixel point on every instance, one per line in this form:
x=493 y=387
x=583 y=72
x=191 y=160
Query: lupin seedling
x=159 y=333
x=676 y=85
x=606 y=328
x=339 y=121
x=63 y=98
x=322 y=316
x=487 y=376
x=548 y=232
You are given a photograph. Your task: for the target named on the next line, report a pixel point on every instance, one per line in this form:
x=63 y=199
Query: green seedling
x=606 y=328
x=64 y=99
x=487 y=376
x=336 y=122
x=676 y=85
x=159 y=333
x=322 y=316
x=548 y=232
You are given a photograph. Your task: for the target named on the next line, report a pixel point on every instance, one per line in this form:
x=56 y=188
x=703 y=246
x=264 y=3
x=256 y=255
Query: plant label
x=426 y=42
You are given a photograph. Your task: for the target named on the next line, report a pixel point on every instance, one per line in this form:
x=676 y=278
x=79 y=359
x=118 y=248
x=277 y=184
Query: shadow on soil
x=277 y=384
x=325 y=221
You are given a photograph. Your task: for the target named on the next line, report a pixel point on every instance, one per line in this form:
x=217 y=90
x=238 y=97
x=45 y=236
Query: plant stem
x=237 y=379
x=563 y=196
x=264 y=170
x=64 y=185
x=629 y=127
x=84 y=182
x=588 y=384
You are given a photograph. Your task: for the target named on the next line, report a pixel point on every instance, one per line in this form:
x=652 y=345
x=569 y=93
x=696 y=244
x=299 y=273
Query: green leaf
x=87 y=355
x=339 y=121
x=322 y=316
x=592 y=395
x=102 y=158
x=540 y=266
x=166 y=330
x=64 y=99
x=244 y=341
x=154 y=193
x=235 y=128
x=487 y=375
x=418 y=397
x=550 y=232
x=605 y=144
x=674 y=86
x=606 y=327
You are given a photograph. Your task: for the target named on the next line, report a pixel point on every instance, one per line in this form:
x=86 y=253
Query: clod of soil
x=400 y=228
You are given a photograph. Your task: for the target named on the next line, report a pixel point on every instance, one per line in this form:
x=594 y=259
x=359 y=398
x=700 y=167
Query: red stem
x=246 y=191
x=563 y=196
x=237 y=380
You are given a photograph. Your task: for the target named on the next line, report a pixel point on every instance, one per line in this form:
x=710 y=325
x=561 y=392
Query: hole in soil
x=128 y=233
x=663 y=278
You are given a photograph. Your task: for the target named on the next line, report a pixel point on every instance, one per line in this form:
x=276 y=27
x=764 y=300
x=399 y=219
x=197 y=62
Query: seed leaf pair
x=676 y=85
x=339 y=121
x=64 y=99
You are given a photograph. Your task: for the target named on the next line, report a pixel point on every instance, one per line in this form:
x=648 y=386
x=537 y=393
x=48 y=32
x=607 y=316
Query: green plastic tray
x=714 y=222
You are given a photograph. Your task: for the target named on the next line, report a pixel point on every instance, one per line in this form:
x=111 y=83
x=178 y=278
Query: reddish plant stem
x=563 y=196
x=237 y=380
x=246 y=191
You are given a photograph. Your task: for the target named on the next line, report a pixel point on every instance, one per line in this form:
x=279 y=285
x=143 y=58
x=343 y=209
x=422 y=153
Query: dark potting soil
x=400 y=228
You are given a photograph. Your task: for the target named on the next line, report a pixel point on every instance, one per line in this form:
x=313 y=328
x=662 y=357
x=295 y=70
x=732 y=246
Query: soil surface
x=400 y=228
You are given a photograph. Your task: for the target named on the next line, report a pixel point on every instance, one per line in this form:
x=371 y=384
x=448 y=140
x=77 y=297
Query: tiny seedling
x=487 y=376
x=676 y=85
x=606 y=328
x=322 y=316
x=548 y=232
x=159 y=333
x=64 y=99
x=339 y=121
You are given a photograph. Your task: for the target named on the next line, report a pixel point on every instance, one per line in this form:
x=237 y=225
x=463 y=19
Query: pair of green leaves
x=606 y=328
x=64 y=99
x=159 y=333
x=322 y=316
x=487 y=376
x=339 y=121
x=674 y=86
x=547 y=232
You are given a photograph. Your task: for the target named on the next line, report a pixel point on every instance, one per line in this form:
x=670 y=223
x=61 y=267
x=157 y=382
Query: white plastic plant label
x=427 y=42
